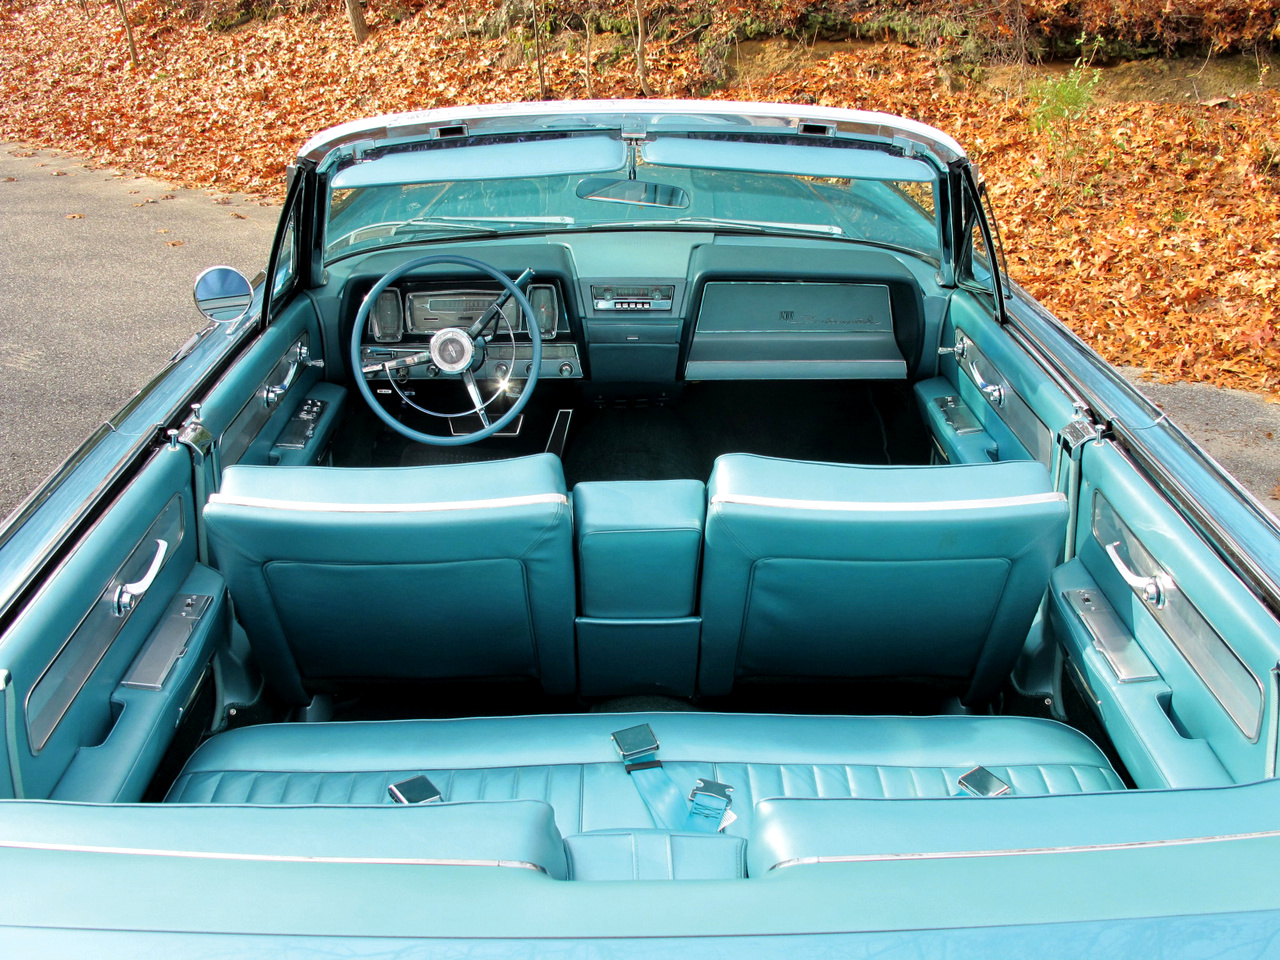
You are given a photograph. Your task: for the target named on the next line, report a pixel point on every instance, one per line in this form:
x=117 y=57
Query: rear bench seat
x=570 y=763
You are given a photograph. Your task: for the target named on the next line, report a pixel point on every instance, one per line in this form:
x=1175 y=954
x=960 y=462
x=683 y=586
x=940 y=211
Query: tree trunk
x=587 y=55
x=358 y=25
x=537 y=48
x=642 y=71
x=128 y=32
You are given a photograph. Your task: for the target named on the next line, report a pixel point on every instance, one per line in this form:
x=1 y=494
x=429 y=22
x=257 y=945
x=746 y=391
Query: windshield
x=635 y=194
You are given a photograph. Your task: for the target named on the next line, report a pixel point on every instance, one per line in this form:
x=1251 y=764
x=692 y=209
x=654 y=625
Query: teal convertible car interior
x=670 y=499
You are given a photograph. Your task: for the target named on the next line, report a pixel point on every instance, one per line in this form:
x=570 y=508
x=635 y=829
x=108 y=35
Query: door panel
x=1017 y=407
x=1211 y=641
x=249 y=411
x=72 y=644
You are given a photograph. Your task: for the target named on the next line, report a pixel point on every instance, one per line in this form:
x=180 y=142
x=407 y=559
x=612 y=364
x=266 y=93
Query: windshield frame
x=824 y=211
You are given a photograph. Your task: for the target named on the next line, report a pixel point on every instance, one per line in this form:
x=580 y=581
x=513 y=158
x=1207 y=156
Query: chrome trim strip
x=494 y=504
x=888 y=506
x=1027 y=851
x=263 y=857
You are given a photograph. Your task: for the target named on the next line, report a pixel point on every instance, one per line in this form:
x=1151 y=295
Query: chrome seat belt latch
x=637 y=746
x=711 y=799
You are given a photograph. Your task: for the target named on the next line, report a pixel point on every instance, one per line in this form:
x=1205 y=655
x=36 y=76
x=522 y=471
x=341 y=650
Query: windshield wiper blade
x=434 y=226
x=474 y=224
x=755 y=226
x=549 y=218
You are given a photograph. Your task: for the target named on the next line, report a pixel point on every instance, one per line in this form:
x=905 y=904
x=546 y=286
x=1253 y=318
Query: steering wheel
x=454 y=351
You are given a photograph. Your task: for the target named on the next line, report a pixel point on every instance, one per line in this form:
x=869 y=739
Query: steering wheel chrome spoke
x=468 y=378
x=495 y=308
x=397 y=363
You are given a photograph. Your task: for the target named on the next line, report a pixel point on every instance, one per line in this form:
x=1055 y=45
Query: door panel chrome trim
x=1111 y=637
x=1004 y=400
x=53 y=693
x=257 y=410
x=1223 y=671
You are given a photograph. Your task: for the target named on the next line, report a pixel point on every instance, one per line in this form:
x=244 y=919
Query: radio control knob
x=566 y=369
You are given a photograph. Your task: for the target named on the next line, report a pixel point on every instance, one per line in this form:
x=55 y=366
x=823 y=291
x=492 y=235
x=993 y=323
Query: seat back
x=818 y=570
x=419 y=572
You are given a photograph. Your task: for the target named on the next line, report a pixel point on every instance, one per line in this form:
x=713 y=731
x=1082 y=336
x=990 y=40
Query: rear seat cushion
x=569 y=761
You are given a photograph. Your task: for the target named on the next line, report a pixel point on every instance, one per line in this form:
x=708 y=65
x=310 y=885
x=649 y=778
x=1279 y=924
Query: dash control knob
x=528 y=369
x=502 y=370
x=566 y=369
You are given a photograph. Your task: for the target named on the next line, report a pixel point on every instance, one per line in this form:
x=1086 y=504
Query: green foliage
x=1059 y=102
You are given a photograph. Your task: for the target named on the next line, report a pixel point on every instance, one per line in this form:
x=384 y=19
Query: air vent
x=456 y=130
x=818 y=129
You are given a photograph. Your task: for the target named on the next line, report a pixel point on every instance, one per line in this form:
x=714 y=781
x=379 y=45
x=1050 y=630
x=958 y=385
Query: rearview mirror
x=223 y=294
x=642 y=192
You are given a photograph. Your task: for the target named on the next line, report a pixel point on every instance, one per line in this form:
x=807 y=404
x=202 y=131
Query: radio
x=647 y=297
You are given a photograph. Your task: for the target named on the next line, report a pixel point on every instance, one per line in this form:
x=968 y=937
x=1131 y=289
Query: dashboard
x=611 y=309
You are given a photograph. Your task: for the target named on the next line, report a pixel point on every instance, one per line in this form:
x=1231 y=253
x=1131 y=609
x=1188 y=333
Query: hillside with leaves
x=1151 y=227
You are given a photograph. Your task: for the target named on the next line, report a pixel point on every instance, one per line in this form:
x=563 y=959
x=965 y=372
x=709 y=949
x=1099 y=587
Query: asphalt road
x=96 y=272
x=96 y=269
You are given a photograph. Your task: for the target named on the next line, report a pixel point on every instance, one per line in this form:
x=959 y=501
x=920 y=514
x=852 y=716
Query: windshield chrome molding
x=496 y=503
x=873 y=506
x=1027 y=851
x=263 y=857
x=657 y=116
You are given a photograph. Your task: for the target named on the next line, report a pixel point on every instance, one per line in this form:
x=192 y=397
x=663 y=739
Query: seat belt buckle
x=637 y=746
x=417 y=789
x=981 y=782
x=711 y=799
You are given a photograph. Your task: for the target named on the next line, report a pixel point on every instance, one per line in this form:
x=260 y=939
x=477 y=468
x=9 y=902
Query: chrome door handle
x=1153 y=590
x=127 y=595
x=300 y=359
x=992 y=391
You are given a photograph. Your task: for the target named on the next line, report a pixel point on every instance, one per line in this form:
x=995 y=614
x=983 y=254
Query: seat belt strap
x=639 y=748
x=709 y=812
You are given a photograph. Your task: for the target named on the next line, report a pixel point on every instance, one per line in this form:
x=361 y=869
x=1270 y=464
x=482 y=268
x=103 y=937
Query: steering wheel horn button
x=452 y=350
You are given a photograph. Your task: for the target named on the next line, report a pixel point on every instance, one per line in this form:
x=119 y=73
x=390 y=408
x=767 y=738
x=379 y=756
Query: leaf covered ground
x=1152 y=228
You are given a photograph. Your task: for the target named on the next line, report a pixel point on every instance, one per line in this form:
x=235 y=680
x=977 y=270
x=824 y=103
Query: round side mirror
x=223 y=294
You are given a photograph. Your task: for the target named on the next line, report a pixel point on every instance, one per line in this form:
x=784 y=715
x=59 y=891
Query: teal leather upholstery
x=638 y=547
x=568 y=761
x=655 y=855
x=419 y=572
x=831 y=570
x=517 y=833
